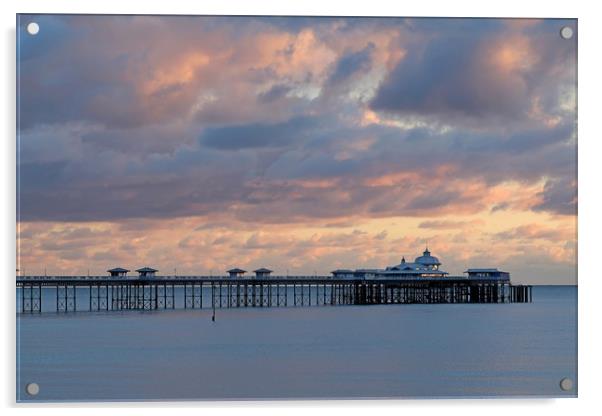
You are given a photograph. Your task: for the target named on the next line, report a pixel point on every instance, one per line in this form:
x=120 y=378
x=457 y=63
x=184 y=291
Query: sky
x=197 y=144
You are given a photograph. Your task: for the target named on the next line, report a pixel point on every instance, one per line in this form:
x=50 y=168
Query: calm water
x=303 y=352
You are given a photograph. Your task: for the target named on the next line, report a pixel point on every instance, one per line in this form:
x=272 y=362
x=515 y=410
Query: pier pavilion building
x=425 y=266
x=146 y=272
x=262 y=272
x=118 y=272
x=236 y=272
x=487 y=274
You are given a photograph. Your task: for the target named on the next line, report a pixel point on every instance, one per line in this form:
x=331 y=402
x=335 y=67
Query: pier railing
x=169 y=278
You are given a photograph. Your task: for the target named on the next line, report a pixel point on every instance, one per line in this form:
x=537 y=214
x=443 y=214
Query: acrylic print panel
x=214 y=207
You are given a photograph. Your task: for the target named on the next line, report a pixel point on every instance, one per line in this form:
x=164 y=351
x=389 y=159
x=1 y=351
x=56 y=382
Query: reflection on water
x=304 y=352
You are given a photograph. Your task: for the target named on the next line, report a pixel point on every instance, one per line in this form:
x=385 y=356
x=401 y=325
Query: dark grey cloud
x=452 y=76
x=274 y=93
x=42 y=175
x=502 y=206
x=261 y=135
x=133 y=197
x=559 y=196
x=436 y=198
x=63 y=79
x=142 y=140
x=351 y=63
x=55 y=32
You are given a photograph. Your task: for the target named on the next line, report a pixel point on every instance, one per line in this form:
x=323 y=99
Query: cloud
x=537 y=231
x=480 y=73
x=559 y=196
x=351 y=63
x=42 y=175
x=303 y=167
x=449 y=225
x=141 y=141
x=141 y=73
x=274 y=93
x=260 y=135
x=500 y=207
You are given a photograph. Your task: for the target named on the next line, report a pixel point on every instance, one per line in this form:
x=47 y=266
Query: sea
x=302 y=352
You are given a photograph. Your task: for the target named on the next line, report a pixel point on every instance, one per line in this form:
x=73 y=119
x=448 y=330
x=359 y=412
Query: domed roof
x=427 y=259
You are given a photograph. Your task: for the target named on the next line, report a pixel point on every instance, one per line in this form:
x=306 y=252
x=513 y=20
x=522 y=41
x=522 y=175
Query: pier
x=116 y=293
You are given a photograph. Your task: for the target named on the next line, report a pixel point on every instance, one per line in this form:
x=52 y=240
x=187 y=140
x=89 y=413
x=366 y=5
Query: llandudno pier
x=420 y=282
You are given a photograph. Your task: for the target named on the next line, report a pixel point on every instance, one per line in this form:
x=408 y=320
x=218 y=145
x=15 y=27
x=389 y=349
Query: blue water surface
x=445 y=350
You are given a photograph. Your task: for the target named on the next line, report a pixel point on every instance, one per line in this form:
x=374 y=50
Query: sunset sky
x=298 y=144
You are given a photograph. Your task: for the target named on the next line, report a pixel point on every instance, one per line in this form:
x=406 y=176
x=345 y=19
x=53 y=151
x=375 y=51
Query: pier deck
x=195 y=292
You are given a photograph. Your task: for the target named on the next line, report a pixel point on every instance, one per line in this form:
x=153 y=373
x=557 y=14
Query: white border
x=589 y=194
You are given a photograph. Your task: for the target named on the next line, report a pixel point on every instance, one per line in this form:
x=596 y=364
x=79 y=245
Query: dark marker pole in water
x=213 y=301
